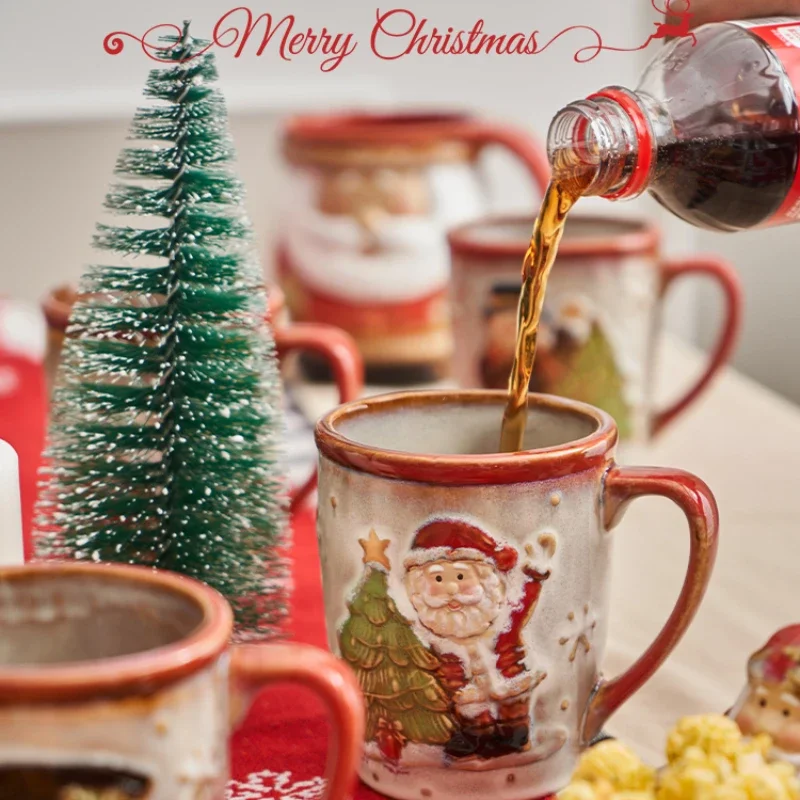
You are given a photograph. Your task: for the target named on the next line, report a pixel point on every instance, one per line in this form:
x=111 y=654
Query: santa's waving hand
x=510 y=647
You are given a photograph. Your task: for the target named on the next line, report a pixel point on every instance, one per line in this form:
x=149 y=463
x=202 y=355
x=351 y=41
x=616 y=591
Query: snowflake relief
x=269 y=785
x=580 y=640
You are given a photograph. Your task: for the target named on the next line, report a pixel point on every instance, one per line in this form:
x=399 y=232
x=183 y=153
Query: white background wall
x=65 y=104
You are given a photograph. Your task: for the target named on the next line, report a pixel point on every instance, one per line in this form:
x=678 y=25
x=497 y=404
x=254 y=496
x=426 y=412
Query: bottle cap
x=637 y=182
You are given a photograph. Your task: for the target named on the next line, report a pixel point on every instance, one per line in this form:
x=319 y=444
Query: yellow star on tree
x=375 y=550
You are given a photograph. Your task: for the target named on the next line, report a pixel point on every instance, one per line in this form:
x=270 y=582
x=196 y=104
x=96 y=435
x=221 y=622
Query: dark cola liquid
x=71 y=783
x=726 y=184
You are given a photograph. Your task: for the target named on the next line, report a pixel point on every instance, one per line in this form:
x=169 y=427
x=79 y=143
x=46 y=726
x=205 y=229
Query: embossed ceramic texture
x=468 y=590
x=601 y=322
x=114 y=673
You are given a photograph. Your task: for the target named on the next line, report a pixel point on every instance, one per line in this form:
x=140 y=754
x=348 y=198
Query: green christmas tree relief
x=585 y=371
x=397 y=673
x=166 y=415
x=593 y=377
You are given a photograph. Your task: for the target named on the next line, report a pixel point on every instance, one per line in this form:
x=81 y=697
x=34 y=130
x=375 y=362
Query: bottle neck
x=603 y=145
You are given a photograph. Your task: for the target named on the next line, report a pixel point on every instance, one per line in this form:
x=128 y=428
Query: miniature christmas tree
x=397 y=673
x=166 y=415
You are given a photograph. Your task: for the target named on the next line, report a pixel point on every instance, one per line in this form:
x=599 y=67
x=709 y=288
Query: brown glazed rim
x=592 y=451
x=57 y=306
x=136 y=674
x=642 y=240
x=413 y=128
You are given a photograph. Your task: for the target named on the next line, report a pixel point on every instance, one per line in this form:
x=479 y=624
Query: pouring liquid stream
x=561 y=195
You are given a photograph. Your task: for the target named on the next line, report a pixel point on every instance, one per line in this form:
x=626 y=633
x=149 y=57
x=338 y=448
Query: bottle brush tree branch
x=166 y=416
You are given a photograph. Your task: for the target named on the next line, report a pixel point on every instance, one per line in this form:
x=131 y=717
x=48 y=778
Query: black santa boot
x=512 y=729
x=470 y=739
x=462 y=744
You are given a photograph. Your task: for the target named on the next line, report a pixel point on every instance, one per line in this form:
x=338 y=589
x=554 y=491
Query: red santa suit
x=487 y=678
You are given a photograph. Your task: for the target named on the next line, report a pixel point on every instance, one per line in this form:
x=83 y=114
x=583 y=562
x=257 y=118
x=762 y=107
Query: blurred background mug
x=120 y=682
x=363 y=246
x=335 y=346
x=601 y=319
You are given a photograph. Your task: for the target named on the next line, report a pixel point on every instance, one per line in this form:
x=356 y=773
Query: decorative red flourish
x=663 y=30
x=113 y=43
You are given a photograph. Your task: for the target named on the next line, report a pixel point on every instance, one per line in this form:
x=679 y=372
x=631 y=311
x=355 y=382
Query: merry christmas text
x=395 y=34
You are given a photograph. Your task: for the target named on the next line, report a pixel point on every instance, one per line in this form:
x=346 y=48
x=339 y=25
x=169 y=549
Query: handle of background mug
x=724 y=275
x=340 y=350
x=519 y=142
x=254 y=666
x=623 y=484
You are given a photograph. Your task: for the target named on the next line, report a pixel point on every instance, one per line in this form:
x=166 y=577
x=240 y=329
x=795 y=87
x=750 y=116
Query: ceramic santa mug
x=333 y=345
x=468 y=590
x=601 y=320
x=120 y=682
x=368 y=201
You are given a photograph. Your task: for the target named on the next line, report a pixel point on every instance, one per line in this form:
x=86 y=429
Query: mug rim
x=56 y=308
x=592 y=451
x=643 y=240
x=411 y=127
x=141 y=673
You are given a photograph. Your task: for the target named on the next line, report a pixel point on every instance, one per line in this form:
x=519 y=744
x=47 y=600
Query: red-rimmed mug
x=469 y=590
x=601 y=319
x=332 y=344
x=120 y=681
x=368 y=201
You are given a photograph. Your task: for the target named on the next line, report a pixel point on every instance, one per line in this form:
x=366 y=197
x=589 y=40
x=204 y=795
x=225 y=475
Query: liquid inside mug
x=119 y=681
x=468 y=590
x=367 y=204
x=601 y=321
x=333 y=345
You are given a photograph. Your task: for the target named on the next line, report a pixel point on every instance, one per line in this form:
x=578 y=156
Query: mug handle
x=519 y=142
x=254 y=666
x=339 y=349
x=725 y=276
x=694 y=498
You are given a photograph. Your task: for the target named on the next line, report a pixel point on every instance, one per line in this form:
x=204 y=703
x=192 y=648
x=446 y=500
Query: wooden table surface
x=744 y=441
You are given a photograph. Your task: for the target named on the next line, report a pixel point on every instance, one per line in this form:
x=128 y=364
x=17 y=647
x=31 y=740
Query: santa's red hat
x=450 y=539
x=778 y=661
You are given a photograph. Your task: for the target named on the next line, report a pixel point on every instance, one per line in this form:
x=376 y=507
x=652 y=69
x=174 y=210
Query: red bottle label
x=782 y=35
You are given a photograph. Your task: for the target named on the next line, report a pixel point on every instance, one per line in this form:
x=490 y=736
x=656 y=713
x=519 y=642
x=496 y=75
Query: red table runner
x=280 y=750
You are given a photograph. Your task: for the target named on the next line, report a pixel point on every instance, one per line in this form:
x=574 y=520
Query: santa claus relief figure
x=459 y=581
x=375 y=233
x=770 y=703
x=373 y=197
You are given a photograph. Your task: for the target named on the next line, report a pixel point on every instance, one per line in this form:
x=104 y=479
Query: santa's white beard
x=782 y=755
x=327 y=250
x=479 y=608
x=327 y=253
